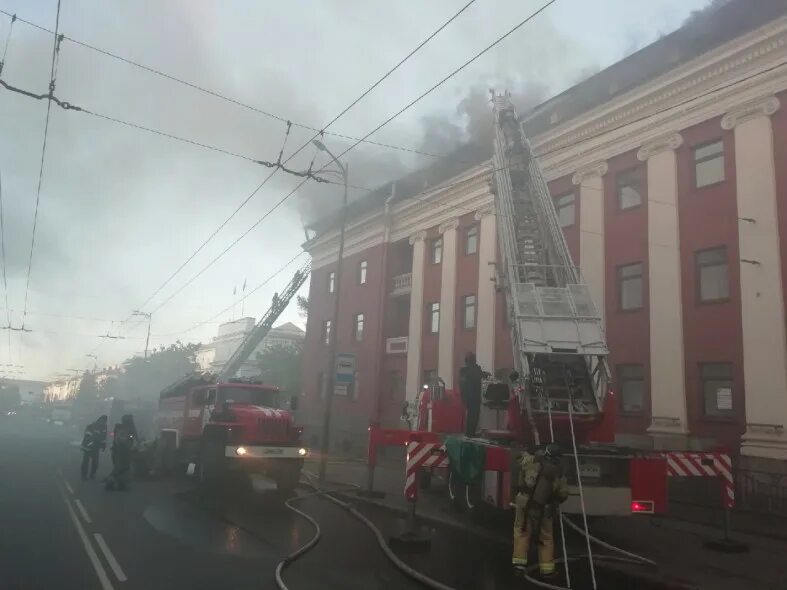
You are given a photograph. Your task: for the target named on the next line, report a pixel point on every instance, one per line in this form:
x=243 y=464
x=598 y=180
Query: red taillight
x=643 y=506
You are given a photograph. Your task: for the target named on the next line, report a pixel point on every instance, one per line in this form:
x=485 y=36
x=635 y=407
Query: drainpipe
x=375 y=417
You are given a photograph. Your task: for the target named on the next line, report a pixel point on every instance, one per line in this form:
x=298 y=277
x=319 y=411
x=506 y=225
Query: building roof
x=462 y=158
x=715 y=26
x=710 y=28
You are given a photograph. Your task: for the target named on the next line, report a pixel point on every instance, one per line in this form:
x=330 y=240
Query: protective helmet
x=552 y=451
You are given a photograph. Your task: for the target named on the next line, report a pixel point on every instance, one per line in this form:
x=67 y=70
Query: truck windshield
x=249 y=395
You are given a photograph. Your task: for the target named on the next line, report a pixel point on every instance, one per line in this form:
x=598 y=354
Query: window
x=630 y=184
x=331 y=282
x=712 y=279
x=437 y=251
x=359 y=327
x=565 y=210
x=471 y=243
x=326 y=332
x=430 y=377
x=630 y=281
x=716 y=381
x=362 y=272
x=632 y=387
x=434 y=318
x=709 y=163
x=469 y=317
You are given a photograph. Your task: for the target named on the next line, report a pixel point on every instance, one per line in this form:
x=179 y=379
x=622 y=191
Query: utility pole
x=149 y=316
x=334 y=331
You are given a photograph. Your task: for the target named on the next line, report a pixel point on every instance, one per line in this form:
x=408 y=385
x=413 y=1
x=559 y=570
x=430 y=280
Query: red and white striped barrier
x=704 y=465
x=419 y=455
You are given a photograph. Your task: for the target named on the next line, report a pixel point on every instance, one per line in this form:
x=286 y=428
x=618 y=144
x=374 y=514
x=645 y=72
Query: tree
x=143 y=378
x=88 y=390
x=303 y=306
x=281 y=366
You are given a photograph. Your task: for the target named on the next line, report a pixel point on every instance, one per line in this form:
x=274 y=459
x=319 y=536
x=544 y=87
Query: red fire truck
x=227 y=425
x=230 y=428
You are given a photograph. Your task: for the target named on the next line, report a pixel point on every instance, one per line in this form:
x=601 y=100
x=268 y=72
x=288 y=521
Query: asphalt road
x=59 y=532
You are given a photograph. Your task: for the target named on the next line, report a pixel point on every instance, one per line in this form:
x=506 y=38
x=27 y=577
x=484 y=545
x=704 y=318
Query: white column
x=762 y=300
x=445 y=342
x=591 y=230
x=414 y=333
x=668 y=425
x=486 y=296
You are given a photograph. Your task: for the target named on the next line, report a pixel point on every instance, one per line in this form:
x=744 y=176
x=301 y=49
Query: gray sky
x=121 y=208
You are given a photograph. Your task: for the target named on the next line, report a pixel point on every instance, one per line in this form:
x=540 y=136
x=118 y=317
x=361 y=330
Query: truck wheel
x=456 y=491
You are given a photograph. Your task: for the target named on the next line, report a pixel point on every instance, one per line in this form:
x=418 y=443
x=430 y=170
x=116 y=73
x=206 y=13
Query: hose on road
x=628 y=557
x=389 y=553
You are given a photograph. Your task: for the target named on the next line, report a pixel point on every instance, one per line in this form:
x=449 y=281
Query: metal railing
x=763 y=492
x=402 y=283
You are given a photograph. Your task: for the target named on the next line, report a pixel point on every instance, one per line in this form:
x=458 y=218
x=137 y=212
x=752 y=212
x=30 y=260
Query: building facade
x=213 y=356
x=669 y=175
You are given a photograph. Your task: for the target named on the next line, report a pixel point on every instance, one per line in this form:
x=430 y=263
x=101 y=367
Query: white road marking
x=68 y=486
x=113 y=563
x=91 y=553
x=84 y=513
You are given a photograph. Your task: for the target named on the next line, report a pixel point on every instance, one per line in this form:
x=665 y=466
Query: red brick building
x=669 y=173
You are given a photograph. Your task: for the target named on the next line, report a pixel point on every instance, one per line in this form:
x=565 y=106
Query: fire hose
x=626 y=556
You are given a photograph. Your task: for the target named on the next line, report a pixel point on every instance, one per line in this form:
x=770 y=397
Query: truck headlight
x=240 y=451
x=303 y=452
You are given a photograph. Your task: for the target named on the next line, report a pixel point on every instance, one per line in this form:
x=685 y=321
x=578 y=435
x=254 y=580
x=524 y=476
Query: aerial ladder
x=557 y=335
x=258 y=333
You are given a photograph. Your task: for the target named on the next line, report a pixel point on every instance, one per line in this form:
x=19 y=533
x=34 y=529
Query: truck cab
x=234 y=427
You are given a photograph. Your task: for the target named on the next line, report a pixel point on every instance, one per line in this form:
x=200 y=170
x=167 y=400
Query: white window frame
x=362 y=270
x=434 y=312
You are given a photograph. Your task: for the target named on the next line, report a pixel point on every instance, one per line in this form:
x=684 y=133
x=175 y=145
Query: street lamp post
x=145 y=315
x=334 y=331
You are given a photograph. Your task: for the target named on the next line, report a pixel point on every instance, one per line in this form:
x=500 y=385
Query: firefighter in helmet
x=541 y=489
x=124 y=442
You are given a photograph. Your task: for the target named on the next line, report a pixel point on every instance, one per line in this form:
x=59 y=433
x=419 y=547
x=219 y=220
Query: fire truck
x=229 y=427
x=559 y=390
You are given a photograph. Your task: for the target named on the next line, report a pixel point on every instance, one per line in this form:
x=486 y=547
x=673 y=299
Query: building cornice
x=708 y=86
x=595 y=170
x=668 y=142
x=450 y=225
x=753 y=109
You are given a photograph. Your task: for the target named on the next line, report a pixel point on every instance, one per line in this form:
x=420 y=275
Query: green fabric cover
x=467 y=458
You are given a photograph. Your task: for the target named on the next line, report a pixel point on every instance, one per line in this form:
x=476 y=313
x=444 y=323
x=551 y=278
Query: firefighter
x=93 y=441
x=541 y=488
x=470 y=377
x=123 y=444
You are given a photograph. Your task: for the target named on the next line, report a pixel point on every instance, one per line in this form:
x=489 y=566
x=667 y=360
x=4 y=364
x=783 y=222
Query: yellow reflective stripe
x=518 y=561
x=547 y=568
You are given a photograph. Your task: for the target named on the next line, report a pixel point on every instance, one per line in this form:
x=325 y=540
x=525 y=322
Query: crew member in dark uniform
x=470 y=377
x=123 y=444
x=93 y=441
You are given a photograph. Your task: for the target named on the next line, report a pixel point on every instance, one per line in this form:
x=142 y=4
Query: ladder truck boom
x=557 y=334
x=258 y=333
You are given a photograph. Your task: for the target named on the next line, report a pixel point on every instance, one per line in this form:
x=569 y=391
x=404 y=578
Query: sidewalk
x=676 y=545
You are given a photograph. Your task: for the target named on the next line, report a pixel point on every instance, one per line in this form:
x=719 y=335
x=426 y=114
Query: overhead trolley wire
x=236 y=102
x=380 y=126
x=7 y=43
x=296 y=152
x=53 y=72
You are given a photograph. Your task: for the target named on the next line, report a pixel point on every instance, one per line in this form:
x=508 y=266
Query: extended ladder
x=557 y=335
x=256 y=335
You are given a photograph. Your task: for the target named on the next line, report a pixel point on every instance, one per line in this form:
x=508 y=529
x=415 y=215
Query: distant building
x=31 y=391
x=62 y=389
x=213 y=356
